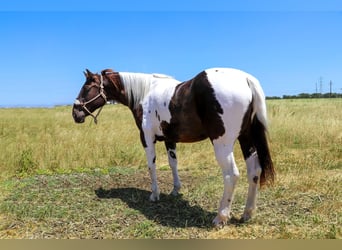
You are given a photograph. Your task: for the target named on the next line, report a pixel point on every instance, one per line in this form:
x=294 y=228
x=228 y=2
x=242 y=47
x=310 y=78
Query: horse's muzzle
x=78 y=115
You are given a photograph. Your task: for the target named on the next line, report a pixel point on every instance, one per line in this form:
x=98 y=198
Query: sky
x=45 y=46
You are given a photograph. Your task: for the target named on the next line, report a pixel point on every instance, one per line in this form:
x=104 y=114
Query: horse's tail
x=259 y=133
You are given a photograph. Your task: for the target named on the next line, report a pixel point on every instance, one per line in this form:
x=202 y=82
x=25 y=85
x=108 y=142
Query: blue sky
x=45 y=46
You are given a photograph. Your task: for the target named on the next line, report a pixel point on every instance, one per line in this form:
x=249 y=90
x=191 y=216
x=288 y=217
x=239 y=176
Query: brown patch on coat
x=116 y=90
x=208 y=108
x=195 y=112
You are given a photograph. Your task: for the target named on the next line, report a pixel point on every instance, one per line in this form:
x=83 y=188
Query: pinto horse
x=221 y=104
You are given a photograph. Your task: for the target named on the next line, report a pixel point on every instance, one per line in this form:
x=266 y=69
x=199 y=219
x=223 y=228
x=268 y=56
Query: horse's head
x=91 y=97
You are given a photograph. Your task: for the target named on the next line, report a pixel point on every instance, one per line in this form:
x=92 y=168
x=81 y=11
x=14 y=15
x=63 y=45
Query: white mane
x=137 y=85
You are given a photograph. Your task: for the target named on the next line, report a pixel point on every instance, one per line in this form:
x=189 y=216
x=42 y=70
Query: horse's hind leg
x=224 y=156
x=253 y=175
x=253 y=172
x=172 y=156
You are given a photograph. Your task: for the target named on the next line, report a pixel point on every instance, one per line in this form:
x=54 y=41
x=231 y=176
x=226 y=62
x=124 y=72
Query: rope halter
x=83 y=104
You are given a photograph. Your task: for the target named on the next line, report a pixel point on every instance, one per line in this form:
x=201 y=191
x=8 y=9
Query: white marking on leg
x=172 y=156
x=253 y=173
x=230 y=172
x=151 y=154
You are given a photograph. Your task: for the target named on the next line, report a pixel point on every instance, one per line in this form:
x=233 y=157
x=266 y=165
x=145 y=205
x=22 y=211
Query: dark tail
x=261 y=144
x=259 y=133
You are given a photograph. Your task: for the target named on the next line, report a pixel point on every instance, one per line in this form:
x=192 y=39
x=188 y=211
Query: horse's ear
x=87 y=73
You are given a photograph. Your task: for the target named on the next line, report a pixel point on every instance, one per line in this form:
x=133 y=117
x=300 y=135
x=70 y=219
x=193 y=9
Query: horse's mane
x=137 y=86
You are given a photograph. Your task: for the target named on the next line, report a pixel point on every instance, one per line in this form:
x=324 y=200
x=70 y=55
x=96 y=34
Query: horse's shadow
x=169 y=211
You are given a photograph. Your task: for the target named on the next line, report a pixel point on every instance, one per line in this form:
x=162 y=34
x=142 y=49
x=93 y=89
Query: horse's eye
x=87 y=87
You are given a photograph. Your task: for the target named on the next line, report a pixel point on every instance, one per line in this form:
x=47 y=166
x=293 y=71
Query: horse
x=222 y=104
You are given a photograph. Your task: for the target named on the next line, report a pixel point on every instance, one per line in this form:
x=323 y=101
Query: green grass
x=63 y=180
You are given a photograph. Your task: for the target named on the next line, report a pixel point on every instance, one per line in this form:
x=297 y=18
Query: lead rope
x=92 y=115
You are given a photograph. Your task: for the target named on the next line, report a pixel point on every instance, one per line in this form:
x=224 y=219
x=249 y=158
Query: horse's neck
x=136 y=87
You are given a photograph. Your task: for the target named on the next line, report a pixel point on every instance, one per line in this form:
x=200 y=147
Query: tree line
x=307 y=96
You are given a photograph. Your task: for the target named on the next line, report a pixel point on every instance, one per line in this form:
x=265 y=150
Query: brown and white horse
x=221 y=104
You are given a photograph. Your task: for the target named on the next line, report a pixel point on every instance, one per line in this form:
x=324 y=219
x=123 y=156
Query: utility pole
x=320 y=85
x=330 y=88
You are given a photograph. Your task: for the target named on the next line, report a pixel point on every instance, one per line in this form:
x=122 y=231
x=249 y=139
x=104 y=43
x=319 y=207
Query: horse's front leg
x=172 y=156
x=151 y=163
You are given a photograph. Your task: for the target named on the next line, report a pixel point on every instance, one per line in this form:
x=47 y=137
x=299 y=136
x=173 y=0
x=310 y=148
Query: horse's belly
x=192 y=137
x=183 y=132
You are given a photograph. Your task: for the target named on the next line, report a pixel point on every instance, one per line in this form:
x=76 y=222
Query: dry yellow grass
x=46 y=160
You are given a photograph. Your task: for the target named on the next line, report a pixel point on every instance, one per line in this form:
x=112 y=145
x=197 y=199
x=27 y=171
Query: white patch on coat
x=153 y=92
x=234 y=95
x=233 y=92
x=138 y=85
x=156 y=104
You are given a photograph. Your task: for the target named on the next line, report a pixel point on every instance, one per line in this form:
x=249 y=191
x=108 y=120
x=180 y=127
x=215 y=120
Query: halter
x=83 y=105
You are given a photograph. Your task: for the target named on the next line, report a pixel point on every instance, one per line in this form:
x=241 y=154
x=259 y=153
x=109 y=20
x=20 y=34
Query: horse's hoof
x=154 y=197
x=245 y=218
x=220 y=221
x=247 y=215
x=174 y=193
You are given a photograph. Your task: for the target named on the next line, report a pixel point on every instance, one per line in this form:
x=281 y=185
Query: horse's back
x=230 y=84
x=211 y=104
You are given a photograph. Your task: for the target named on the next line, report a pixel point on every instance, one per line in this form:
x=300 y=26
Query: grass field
x=63 y=180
